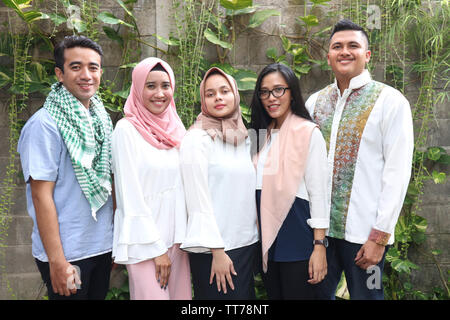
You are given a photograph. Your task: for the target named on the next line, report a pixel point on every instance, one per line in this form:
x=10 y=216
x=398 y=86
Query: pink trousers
x=143 y=283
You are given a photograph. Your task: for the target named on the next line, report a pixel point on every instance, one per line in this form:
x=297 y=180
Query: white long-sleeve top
x=383 y=162
x=151 y=211
x=219 y=182
x=313 y=187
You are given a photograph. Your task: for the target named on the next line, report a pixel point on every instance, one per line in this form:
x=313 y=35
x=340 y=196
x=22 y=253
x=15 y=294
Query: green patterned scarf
x=88 y=140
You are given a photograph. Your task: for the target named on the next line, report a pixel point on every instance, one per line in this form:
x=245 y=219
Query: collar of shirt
x=356 y=82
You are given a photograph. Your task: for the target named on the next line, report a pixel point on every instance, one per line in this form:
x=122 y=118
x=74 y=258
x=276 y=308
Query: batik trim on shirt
x=354 y=117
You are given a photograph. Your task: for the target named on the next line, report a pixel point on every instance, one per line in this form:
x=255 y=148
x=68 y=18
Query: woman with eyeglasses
x=219 y=183
x=291 y=187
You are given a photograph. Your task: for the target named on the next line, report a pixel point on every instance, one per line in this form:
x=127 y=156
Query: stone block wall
x=249 y=53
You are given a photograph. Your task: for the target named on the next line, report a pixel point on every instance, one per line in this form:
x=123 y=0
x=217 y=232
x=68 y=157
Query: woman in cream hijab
x=219 y=180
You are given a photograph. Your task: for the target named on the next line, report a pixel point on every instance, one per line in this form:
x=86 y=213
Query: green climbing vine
x=19 y=46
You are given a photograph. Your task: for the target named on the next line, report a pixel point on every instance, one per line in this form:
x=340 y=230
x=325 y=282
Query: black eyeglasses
x=277 y=92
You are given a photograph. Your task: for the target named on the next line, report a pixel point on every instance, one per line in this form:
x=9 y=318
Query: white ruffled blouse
x=151 y=211
x=219 y=181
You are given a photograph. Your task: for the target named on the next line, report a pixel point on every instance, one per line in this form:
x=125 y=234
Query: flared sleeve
x=202 y=231
x=136 y=236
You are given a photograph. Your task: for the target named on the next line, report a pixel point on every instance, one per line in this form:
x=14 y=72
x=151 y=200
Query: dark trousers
x=362 y=284
x=244 y=260
x=95 y=274
x=287 y=281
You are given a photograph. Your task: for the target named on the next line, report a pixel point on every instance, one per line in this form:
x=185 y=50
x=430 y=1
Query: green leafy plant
x=429 y=27
x=191 y=19
x=231 y=19
x=303 y=51
x=122 y=293
x=18 y=80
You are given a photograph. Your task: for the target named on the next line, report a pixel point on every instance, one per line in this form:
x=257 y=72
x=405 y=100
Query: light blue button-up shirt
x=44 y=156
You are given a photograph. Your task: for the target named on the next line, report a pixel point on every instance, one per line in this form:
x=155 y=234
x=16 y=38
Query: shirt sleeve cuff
x=319 y=223
x=379 y=237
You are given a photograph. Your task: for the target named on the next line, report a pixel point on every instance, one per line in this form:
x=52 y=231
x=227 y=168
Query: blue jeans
x=362 y=284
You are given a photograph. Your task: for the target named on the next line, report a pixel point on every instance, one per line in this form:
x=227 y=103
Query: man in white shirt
x=368 y=128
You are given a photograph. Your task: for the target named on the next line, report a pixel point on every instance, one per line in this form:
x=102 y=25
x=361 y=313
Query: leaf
x=4 y=76
x=39 y=71
x=434 y=153
x=392 y=254
x=79 y=25
x=403 y=266
x=310 y=20
x=129 y=65
x=438 y=177
x=297 y=51
x=286 y=43
x=31 y=16
x=109 y=18
x=317 y=2
x=4 y=79
x=112 y=107
x=123 y=93
x=300 y=55
x=211 y=37
x=246 y=113
x=420 y=223
x=113 y=35
x=170 y=42
x=238 y=12
x=402 y=233
x=57 y=18
x=226 y=67
x=272 y=53
x=236 y=4
x=37 y=87
x=260 y=16
x=407 y=285
x=18 y=6
x=436 y=252
x=126 y=9
x=246 y=79
x=220 y=27
x=411 y=194
x=444 y=159
x=303 y=69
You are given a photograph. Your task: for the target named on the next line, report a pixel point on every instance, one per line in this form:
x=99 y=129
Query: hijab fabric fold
x=283 y=172
x=163 y=131
x=230 y=129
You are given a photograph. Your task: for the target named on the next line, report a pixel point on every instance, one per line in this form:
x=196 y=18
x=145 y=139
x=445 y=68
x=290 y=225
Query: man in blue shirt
x=65 y=151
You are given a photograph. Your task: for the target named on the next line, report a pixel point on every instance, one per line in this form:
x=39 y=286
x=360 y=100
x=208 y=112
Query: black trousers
x=288 y=281
x=244 y=261
x=95 y=275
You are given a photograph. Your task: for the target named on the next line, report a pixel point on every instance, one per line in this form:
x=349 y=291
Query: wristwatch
x=323 y=242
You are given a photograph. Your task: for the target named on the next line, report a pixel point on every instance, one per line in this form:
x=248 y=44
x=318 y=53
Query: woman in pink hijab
x=219 y=180
x=150 y=219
